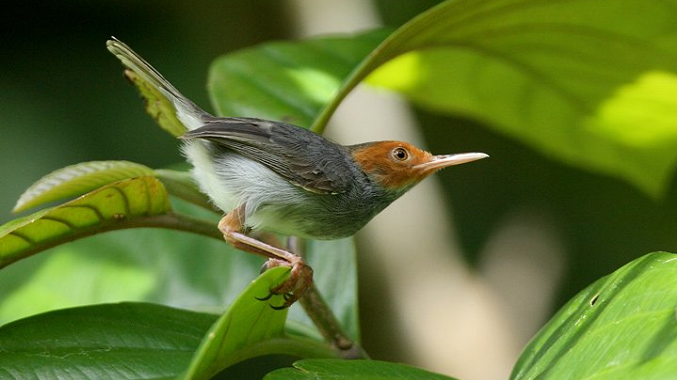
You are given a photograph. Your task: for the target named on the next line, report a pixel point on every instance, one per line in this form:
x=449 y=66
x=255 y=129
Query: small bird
x=277 y=177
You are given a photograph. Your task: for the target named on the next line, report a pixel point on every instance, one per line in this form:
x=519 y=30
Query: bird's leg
x=269 y=238
x=301 y=276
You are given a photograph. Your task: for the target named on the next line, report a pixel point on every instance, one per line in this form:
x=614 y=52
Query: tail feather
x=188 y=114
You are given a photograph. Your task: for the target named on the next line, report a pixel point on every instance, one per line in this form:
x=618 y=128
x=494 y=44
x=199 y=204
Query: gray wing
x=302 y=157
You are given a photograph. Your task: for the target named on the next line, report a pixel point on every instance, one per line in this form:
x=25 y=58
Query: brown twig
x=322 y=316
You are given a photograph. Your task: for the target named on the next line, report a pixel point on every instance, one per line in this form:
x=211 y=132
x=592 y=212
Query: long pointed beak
x=445 y=160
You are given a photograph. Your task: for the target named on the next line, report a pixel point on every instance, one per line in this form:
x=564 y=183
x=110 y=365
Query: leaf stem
x=360 y=72
x=178 y=222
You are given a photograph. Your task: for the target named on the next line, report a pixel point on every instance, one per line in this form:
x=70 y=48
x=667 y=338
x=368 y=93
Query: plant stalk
x=322 y=316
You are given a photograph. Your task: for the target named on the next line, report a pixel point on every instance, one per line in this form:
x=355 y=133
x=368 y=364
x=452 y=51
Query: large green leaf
x=122 y=204
x=112 y=341
x=621 y=327
x=287 y=81
x=592 y=83
x=328 y=369
x=142 y=341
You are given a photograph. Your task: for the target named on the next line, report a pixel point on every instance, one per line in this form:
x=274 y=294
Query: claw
x=281 y=307
x=266 y=298
x=300 y=278
x=289 y=299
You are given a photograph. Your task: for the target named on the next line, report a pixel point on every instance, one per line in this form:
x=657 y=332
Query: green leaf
x=319 y=369
x=249 y=328
x=141 y=341
x=118 y=205
x=621 y=327
x=113 y=341
x=248 y=321
x=76 y=180
x=590 y=83
x=287 y=81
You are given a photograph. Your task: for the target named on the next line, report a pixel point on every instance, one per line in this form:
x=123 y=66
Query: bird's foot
x=300 y=279
x=301 y=276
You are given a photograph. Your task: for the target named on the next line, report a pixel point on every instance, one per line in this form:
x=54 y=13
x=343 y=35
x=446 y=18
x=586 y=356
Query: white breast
x=230 y=180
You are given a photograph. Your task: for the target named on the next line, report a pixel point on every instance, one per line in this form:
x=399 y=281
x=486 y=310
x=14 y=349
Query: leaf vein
x=59 y=220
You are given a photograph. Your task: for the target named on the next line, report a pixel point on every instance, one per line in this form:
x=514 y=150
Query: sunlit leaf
x=575 y=79
x=590 y=83
x=621 y=327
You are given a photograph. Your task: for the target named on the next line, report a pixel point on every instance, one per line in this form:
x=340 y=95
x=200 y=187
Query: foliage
x=585 y=82
x=621 y=327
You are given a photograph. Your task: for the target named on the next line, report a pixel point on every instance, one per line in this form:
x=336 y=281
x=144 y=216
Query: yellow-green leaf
x=590 y=83
x=117 y=205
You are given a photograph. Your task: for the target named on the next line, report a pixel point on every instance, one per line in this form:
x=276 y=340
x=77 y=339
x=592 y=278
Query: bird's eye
x=400 y=154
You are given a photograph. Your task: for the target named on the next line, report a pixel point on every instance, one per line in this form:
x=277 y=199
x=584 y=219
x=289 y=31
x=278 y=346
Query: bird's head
x=397 y=165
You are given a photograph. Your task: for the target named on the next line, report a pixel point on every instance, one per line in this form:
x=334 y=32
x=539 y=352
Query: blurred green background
x=64 y=101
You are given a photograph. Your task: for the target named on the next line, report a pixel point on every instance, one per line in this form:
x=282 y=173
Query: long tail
x=182 y=108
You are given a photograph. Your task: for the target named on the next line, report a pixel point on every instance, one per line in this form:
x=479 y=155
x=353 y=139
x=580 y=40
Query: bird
x=277 y=177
